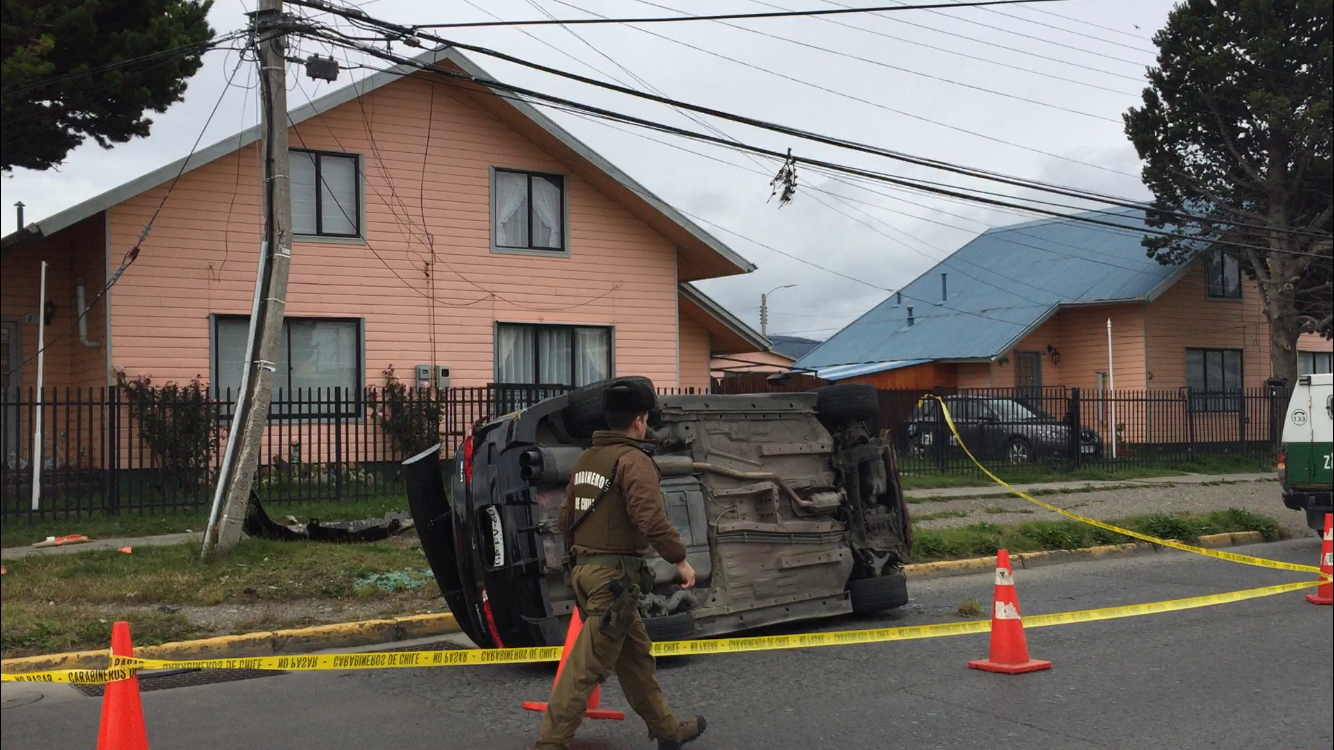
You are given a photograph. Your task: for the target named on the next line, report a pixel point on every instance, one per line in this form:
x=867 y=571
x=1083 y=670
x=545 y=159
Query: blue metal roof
x=843 y=372
x=1000 y=285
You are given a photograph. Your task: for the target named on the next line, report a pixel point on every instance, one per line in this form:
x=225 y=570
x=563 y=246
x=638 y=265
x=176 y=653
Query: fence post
x=113 y=449
x=338 y=442
x=1076 y=425
x=942 y=434
x=1190 y=423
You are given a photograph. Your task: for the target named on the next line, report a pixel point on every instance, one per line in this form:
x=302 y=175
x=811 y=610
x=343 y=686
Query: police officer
x=613 y=511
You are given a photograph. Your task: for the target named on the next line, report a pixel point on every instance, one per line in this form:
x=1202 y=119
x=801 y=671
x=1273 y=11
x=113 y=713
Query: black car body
x=788 y=507
x=997 y=428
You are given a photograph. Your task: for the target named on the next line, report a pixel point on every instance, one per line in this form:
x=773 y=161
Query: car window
x=1009 y=410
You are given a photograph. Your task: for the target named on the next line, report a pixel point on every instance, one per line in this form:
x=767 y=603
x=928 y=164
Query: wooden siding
x=916 y=377
x=1083 y=346
x=74 y=254
x=200 y=258
x=1185 y=317
x=695 y=351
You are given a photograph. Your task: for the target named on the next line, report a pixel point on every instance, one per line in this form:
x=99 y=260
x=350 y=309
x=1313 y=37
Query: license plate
x=1087 y=448
x=497 y=537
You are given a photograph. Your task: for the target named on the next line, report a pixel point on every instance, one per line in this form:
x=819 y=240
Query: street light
x=764 y=308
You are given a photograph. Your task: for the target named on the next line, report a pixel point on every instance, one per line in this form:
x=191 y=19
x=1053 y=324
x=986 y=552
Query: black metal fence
x=1067 y=428
x=121 y=449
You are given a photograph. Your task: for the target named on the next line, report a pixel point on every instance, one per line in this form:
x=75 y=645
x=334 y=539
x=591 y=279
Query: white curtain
x=547 y=212
x=324 y=357
x=302 y=165
x=515 y=355
x=555 y=347
x=511 y=209
x=594 y=361
x=338 y=194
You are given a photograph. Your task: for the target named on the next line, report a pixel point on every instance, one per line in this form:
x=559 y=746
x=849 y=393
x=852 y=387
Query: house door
x=10 y=413
x=1028 y=377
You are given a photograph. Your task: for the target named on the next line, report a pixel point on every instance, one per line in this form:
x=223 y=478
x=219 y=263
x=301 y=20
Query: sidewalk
x=160 y=540
x=996 y=490
x=14 y=553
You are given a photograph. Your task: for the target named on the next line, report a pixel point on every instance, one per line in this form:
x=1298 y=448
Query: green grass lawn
x=984 y=538
x=1039 y=474
x=63 y=602
x=18 y=532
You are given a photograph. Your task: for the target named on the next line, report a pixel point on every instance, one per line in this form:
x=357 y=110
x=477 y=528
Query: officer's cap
x=630 y=396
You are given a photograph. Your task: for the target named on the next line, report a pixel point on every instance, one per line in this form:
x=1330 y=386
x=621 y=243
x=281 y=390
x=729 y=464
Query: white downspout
x=83 y=317
x=1111 y=385
x=41 y=371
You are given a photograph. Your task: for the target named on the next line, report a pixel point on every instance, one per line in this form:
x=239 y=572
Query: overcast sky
x=930 y=83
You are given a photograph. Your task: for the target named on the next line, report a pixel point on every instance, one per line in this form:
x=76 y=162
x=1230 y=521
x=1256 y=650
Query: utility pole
x=764 y=309
x=244 y=443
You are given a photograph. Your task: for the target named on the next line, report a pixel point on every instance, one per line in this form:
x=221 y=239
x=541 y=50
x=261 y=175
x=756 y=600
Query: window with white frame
x=1223 y=275
x=326 y=194
x=551 y=354
x=1214 y=377
x=318 y=369
x=528 y=210
x=1315 y=363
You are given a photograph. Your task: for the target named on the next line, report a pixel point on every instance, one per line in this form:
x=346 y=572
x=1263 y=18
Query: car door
x=968 y=420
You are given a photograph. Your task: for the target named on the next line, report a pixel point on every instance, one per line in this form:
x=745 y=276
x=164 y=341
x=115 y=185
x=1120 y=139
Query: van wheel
x=870 y=595
x=847 y=402
x=583 y=410
x=677 y=627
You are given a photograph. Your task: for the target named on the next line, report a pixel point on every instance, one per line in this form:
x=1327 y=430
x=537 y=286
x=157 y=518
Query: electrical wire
x=877 y=105
x=722 y=16
x=842 y=143
x=132 y=254
x=493 y=86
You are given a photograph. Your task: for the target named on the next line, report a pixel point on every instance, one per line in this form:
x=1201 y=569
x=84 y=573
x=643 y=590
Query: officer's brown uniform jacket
x=631 y=516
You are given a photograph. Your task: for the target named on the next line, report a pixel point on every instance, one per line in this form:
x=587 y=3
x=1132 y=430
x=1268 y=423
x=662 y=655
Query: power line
x=1132 y=47
x=174 y=52
x=960 y=54
x=909 y=71
x=132 y=254
x=935 y=188
x=878 y=105
x=720 y=16
x=809 y=135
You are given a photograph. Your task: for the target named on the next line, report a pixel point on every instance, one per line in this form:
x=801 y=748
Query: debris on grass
x=395 y=580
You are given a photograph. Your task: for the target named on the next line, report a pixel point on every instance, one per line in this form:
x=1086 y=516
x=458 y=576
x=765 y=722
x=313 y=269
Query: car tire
x=848 y=402
x=871 y=595
x=677 y=627
x=583 y=410
x=1019 y=451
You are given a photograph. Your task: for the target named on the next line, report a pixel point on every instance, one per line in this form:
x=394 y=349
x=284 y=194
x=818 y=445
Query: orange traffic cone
x=594 y=710
x=1325 y=594
x=1009 y=649
x=122 y=713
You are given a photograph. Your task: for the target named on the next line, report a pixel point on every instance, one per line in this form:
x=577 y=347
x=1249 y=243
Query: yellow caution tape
x=125 y=667
x=1174 y=544
x=80 y=676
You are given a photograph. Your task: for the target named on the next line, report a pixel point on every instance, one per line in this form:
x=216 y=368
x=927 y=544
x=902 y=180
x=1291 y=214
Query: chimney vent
x=910 y=319
x=944 y=288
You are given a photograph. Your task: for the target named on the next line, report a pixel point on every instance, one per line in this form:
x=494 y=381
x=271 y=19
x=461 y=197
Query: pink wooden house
x=438 y=225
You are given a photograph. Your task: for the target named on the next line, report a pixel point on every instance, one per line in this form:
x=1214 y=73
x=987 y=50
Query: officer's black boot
x=685 y=732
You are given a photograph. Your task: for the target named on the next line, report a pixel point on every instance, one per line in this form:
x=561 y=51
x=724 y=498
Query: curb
x=338 y=635
x=366 y=632
x=1056 y=556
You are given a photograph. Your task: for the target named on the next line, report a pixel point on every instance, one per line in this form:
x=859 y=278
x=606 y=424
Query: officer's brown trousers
x=594 y=657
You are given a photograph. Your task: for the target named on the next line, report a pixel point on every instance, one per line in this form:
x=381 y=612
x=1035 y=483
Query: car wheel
x=837 y=404
x=677 y=627
x=1018 y=451
x=915 y=447
x=583 y=410
x=871 y=595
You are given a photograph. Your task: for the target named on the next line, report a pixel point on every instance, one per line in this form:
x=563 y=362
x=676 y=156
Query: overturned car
x=790 y=509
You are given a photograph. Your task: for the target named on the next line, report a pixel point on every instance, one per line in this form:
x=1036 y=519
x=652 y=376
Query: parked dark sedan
x=997 y=428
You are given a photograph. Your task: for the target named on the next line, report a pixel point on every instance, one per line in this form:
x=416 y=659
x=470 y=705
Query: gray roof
x=127 y=190
x=1001 y=285
x=795 y=347
x=733 y=323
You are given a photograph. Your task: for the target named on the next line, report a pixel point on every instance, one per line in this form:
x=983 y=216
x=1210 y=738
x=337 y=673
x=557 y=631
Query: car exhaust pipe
x=548 y=465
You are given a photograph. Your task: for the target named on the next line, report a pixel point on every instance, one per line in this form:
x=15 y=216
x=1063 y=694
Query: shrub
x=178 y=424
x=410 y=418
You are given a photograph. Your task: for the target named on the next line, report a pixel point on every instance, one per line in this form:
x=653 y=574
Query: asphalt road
x=1252 y=674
